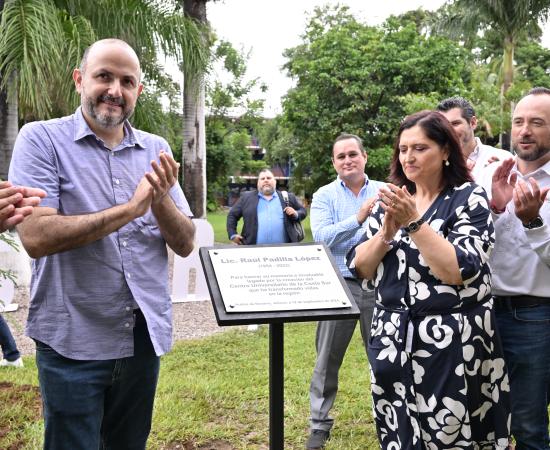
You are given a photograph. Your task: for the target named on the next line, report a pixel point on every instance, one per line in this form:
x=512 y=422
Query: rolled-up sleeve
x=34 y=164
x=473 y=235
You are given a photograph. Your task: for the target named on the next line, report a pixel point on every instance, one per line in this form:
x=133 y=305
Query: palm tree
x=36 y=52
x=8 y=129
x=8 y=122
x=41 y=41
x=194 y=134
x=511 y=20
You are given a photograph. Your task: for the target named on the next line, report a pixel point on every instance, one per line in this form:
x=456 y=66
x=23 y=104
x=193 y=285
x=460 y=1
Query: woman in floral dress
x=437 y=372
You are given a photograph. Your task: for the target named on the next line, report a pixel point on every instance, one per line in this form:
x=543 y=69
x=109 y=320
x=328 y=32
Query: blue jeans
x=525 y=335
x=91 y=405
x=9 y=348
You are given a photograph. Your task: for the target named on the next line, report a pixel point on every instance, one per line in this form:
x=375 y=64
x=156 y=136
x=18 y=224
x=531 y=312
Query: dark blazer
x=246 y=207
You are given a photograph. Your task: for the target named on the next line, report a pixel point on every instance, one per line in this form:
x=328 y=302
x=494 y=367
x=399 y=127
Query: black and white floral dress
x=437 y=370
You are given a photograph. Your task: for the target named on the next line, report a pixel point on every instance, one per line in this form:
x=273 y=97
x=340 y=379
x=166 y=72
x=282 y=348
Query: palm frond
x=511 y=18
x=31 y=41
x=78 y=35
x=148 y=26
x=43 y=40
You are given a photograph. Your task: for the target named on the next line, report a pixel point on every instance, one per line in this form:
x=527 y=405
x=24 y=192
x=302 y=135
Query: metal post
x=276 y=386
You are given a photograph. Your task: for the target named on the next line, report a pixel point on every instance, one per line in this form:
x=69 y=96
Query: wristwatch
x=413 y=227
x=537 y=222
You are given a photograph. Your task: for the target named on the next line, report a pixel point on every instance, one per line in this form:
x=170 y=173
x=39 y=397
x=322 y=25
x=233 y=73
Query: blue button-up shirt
x=82 y=300
x=271 y=223
x=333 y=217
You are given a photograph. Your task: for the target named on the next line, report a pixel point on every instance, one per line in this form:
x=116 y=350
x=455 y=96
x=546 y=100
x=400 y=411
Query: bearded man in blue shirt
x=100 y=312
x=267 y=216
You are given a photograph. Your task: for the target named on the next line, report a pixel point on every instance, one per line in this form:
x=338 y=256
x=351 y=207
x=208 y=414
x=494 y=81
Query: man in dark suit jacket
x=267 y=219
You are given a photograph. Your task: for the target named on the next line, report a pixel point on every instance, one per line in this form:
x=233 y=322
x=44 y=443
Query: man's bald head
x=108 y=82
x=100 y=45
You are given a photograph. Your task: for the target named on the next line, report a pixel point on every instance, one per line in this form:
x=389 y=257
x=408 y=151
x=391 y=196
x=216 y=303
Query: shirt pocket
x=534 y=314
x=148 y=225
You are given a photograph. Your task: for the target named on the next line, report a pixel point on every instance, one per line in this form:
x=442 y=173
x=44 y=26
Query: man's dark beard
x=537 y=153
x=106 y=120
x=263 y=190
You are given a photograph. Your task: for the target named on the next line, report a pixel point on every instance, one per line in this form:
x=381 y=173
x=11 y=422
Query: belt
x=139 y=318
x=519 y=301
x=407 y=317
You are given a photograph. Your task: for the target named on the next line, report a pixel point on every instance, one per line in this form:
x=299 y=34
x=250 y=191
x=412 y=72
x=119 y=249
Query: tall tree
x=26 y=54
x=353 y=78
x=8 y=120
x=194 y=134
x=8 y=123
x=233 y=120
x=509 y=20
x=41 y=41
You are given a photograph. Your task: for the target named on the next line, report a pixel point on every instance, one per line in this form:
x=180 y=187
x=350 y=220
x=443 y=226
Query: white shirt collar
x=542 y=169
x=475 y=153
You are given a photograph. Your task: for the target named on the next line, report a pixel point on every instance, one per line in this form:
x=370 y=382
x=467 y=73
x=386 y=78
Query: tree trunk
x=194 y=135
x=8 y=123
x=194 y=148
x=8 y=129
x=507 y=80
x=507 y=65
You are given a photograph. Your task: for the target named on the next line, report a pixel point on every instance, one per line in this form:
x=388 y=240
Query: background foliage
x=234 y=119
x=42 y=41
x=355 y=78
x=349 y=76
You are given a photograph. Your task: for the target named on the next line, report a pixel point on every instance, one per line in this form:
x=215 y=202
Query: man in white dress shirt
x=520 y=265
x=462 y=116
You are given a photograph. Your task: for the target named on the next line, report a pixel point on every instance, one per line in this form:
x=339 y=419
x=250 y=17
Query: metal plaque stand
x=276 y=321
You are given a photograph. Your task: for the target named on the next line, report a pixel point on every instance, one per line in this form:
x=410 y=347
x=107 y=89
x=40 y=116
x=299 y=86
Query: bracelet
x=494 y=208
x=388 y=243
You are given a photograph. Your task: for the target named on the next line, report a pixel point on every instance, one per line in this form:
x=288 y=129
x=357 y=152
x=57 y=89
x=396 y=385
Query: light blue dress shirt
x=333 y=217
x=82 y=300
x=271 y=222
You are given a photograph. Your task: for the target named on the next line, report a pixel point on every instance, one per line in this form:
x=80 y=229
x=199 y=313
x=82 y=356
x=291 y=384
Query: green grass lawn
x=218 y=219
x=215 y=392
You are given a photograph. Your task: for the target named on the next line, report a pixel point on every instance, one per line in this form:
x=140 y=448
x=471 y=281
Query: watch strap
x=537 y=222
x=414 y=226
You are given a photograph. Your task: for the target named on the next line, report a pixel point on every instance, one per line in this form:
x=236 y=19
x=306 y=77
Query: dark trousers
x=525 y=335
x=91 y=405
x=9 y=347
x=332 y=340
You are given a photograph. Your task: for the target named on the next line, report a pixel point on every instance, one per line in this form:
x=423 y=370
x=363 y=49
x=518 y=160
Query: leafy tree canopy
x=490 y=25
x=233 y=119
x=42 y=41
x=355 y=78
